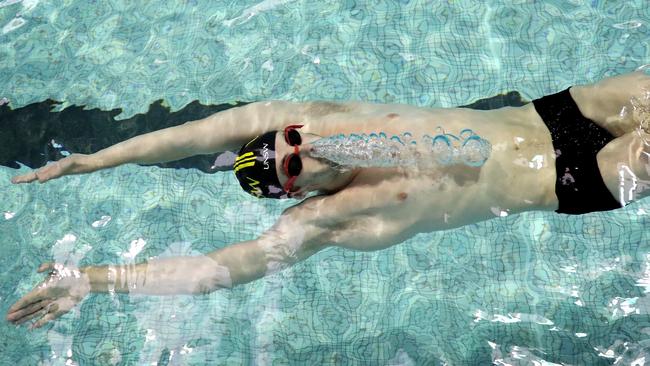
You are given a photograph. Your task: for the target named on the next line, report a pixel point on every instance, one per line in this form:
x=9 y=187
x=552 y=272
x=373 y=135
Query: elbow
x=209 y=285
x=212 y=278
x=206 y=287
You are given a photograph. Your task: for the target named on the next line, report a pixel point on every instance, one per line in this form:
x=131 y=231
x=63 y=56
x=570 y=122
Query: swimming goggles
x=292 y=164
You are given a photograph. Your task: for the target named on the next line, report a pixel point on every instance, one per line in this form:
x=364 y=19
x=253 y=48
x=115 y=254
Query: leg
x=609 y=102
x=625 y=166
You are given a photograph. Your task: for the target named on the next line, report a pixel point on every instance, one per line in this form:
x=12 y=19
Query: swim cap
x=255 y=168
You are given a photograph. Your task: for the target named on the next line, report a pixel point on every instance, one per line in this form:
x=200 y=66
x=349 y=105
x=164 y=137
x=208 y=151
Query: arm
x=233 y=265
x=289 y=241
x=225 y=130
x=284 y=244
x=300 y=232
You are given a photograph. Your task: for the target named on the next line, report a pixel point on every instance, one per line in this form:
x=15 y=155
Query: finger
x=55 y=313
x=48 y=317
x=39 y=314
x=32 y=297
x=40 y=292
x=44 y=310
x=16 y=316
x=27 y=313
x=37 y=294
x=45 y=266
x=25 y=178
x=50 y=308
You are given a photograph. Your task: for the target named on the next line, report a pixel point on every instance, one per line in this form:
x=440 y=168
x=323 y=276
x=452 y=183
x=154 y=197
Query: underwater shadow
x=34 y=134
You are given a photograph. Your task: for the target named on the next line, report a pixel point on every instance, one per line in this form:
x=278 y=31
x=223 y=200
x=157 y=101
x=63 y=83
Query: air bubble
x=379 y=150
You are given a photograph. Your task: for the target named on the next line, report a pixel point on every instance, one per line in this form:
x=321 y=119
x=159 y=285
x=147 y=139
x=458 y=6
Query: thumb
x=25 y=178
x=45 y=266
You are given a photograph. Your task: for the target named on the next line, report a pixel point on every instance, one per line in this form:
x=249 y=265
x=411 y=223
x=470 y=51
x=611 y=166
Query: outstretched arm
x=300 y=232
x=233 y=265
x=287 y=242
x=225 y=130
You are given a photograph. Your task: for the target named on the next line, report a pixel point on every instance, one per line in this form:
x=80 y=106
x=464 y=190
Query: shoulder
x=343 y=220
x=372 y=196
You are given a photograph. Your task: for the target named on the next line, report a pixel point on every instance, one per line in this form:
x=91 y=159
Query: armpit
x=369 y=233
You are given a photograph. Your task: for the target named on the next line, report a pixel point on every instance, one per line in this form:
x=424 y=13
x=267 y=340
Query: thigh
x=612 y=102
x=624 y=164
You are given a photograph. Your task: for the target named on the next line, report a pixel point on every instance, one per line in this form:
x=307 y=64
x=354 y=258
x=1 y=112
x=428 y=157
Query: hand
x=73 y=164
x=59 y=293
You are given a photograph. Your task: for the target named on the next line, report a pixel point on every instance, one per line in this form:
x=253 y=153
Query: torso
x=518 y=176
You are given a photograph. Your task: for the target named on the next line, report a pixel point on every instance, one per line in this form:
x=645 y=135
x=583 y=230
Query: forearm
x=224 y=268
x=165 y=276
x=169 y=144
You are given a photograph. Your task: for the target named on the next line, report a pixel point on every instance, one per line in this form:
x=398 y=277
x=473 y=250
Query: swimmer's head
x=255 y=168
x=278 y=164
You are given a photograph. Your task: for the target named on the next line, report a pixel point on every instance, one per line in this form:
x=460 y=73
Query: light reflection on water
x=527 y=281
x=534 y=282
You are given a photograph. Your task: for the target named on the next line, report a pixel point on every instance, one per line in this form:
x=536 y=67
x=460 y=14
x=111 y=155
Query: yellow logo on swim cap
x=244 y=161
x=255 y=190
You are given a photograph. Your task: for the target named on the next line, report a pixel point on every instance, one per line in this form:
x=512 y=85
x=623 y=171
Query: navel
x=392 y=115
x=402 y=196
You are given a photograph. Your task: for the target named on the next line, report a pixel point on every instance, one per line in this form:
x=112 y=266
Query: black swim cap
x=255 y=168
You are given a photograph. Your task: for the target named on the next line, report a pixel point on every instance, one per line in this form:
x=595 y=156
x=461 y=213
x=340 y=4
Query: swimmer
x=563 y=152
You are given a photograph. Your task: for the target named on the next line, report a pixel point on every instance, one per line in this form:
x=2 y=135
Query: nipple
x=379 y=150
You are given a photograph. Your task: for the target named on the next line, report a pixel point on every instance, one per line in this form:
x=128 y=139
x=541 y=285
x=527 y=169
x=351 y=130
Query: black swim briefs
x=579 y=186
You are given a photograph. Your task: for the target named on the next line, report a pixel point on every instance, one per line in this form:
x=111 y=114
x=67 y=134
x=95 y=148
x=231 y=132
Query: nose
x=307 y=148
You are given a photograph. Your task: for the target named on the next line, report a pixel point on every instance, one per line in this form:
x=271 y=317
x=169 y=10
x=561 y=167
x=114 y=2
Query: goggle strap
x=292 y=127
x=289 y=184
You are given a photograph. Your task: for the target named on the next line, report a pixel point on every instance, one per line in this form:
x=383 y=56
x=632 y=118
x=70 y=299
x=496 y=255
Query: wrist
x=97 y=278
x=87 y=163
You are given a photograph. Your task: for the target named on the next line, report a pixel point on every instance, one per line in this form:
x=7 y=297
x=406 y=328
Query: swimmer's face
x=314 y=171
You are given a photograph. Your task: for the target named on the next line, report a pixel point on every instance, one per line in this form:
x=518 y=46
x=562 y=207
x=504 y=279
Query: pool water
x=534 y=288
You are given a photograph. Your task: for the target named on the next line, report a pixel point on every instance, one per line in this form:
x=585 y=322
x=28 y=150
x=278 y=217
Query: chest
x=454 y=196
x=518 y=176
